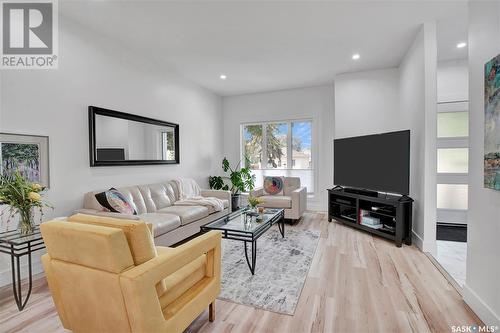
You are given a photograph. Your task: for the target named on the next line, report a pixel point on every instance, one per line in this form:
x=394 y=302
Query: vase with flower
x=253 y=202
x=22 y=198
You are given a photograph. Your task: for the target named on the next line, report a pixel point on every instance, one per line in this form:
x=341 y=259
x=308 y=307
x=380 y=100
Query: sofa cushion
x=187 y=214
x=276 y=201
x=157 y=196
x=138 y=236
x=115 y=202
x=180 y=281
x=211 y=209
x=291 y=184
x=162 y=223
x=273 y=185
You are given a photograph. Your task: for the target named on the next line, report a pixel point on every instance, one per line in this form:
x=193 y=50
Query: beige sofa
x=293 y=200
x=154 y=203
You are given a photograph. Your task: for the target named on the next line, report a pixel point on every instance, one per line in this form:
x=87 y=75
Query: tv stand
x=367 y=193
x=394 y=212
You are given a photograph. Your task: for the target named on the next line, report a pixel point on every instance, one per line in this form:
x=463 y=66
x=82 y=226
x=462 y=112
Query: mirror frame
x=94 y=110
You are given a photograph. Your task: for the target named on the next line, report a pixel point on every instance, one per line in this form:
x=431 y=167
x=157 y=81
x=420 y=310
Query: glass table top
x=242 y=221
x=14 y=237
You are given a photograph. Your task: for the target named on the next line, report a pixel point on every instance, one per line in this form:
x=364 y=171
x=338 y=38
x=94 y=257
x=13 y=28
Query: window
x=281 y=148
x=252 y=141
x=168 y=147
x=301 y=145
x=452 y=196
x=452 y=162
x=277 y=145
x=453 y=124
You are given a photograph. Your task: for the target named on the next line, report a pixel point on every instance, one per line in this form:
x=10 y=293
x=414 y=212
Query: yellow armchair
x=96 y=286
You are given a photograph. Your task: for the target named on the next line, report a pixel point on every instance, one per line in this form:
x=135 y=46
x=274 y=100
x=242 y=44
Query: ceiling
x=263 y=46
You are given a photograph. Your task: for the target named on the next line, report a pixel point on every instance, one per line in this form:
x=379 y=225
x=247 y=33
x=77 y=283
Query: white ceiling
x=264 y=46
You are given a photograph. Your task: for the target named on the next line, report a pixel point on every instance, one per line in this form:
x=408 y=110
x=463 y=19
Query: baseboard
x=417 y=240
x=6 y=275
x=316 y=206
x=424 y=246
x=483 y=311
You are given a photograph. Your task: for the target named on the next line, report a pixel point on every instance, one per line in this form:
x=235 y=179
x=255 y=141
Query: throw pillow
x=115 y=202
x=273 y=185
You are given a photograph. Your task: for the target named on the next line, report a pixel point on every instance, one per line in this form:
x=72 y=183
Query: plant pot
x=235 y=201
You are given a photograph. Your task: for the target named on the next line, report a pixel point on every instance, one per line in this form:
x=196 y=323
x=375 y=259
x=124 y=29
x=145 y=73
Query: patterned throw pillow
x=115 y=202
x=273 y=185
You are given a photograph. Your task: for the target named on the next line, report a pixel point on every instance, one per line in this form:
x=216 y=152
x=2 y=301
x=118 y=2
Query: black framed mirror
x=119 y=138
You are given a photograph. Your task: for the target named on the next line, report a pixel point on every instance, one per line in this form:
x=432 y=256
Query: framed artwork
x=28 y=154
x=492 y=124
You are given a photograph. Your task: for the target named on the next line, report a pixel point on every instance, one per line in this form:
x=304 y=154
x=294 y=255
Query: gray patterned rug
x=280 y=273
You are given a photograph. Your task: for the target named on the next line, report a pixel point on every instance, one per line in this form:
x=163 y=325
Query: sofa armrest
x=139 y=283
x=257 y=192
x=220 y=194
x=168 y=262
x=299 y=200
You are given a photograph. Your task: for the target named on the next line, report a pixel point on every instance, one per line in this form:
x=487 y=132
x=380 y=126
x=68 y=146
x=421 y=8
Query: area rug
x=280 y=273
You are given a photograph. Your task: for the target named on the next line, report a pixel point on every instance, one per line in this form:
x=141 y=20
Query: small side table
x=17 y=245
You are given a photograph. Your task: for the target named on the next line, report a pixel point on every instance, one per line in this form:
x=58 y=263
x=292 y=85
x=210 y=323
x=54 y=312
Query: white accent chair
x=293 y=200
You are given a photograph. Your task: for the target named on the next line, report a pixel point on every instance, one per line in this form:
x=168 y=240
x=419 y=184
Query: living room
x=272 y=87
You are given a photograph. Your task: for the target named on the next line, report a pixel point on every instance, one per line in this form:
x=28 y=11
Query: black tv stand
x=364 y=192
x=394 y=212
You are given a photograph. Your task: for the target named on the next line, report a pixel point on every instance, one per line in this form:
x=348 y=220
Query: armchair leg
x=211 y=311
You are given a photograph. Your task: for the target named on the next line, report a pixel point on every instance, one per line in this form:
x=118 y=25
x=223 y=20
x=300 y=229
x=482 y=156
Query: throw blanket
x=190 y=195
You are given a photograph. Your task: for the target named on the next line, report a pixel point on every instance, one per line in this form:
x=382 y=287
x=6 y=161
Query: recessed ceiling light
x=355 y=56
x=223 y=77
x=461 y=45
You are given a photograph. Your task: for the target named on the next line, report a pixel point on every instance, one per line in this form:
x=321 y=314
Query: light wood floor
x=357 y=283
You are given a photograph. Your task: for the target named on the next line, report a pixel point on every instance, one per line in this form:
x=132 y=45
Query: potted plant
x=241 y=180
x=254 y=201
x=22 y=197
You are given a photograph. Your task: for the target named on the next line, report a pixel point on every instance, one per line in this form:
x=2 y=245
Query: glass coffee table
x=247 y=226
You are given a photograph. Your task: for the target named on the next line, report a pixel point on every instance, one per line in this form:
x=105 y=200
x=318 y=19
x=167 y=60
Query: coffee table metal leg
x=281 y=226
x=254 y=256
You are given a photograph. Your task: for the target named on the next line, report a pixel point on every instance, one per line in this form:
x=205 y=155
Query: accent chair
x=106 y=275
x=283 y=192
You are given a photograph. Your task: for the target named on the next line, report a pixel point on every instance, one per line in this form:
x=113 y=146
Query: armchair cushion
x=291 y=184
x=276 y=201
x=138 y=236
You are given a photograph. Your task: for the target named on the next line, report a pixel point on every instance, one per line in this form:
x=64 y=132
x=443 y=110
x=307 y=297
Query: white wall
x=482 y=286
x=452 y=81
x=396 y=99
x=418 y=104
x=314 y=102
x=96 y=71
x=368 y=103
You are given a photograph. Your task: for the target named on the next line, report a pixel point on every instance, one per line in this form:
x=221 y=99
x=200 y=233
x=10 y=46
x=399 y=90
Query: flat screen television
x=110 y=154
x=379 y=162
